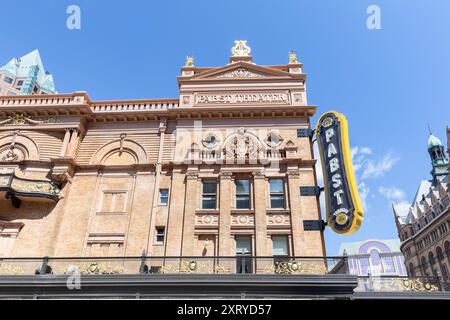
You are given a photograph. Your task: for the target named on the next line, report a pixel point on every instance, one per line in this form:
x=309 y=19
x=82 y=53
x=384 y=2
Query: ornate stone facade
x=168 y=177
x=424 y=227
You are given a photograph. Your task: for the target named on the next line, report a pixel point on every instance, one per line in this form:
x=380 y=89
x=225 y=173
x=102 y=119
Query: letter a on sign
x=343 y=206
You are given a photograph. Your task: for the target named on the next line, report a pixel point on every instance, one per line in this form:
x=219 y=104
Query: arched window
x=447 y=250
x=444 y=272
x=411 y=270
x=423 y=262
x=375 y=262
x=432 y=261
x=439 y=254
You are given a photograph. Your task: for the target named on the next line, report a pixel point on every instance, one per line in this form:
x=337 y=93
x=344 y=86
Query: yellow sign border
x=346 y=155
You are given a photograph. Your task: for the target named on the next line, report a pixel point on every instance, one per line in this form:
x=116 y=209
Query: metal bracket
x=16 y=202
x=314 y=225
x=311 y=191
x=305 y=133
x=45 y=268
x=143 y=267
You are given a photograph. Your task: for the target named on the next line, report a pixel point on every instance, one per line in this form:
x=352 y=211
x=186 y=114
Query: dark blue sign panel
x=343 y=206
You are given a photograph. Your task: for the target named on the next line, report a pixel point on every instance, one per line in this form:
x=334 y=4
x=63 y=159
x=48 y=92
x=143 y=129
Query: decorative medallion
x=242 y=219
x=13 y=153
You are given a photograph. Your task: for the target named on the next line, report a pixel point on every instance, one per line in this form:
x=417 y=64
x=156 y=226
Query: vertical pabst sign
x=343 y=206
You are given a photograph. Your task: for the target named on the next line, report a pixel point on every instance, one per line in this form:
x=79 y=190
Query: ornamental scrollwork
x=294 y=267
x=92 y=269
x=29 y=186
x=10 y=269
x=21 y=119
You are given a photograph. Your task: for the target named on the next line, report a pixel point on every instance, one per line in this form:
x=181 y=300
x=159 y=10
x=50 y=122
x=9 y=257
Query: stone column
x=175 y=218
x=260 y=201
x=298 y=241
x=189 y=214
x=261 y=240
x=73 y=143
x=225 y=201
x=65 y=143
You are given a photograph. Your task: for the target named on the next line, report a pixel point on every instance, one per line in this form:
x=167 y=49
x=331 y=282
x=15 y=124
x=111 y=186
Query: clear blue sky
x=389 y=83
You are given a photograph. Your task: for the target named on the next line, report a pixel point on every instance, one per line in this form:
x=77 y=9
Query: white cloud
x=375 y=169
x=364 y=192
x=319 y=172
x=392 y=193
x=402 y=208
x=366 y=166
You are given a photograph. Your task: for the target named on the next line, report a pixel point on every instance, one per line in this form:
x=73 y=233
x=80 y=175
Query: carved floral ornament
x=242 y=145
x=240 y=73
x=21 y=119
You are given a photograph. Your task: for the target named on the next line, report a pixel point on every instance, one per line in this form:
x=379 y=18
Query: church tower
x=439 y=161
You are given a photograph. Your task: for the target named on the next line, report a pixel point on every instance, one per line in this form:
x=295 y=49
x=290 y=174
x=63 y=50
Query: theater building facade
x=215 y=171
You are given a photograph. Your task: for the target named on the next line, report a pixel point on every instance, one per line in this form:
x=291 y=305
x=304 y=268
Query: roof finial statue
x=189 y=61
x=292 y=57
x=241 y=49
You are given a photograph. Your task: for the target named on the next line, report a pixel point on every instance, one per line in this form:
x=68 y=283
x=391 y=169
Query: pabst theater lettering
x=238 y=98
x=343 y=206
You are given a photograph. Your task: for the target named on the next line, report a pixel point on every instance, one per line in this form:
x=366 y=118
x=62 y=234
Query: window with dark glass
x=242 y=194
x=277 y=193
x=209 y=195
x=19 y=83
x=163 y=197
x=160 y=234
x=8 y=80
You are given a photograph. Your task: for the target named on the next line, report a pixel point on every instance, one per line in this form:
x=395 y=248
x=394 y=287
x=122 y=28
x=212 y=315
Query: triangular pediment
x=241 y=71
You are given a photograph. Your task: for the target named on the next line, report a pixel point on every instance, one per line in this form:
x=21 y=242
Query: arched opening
x=432 y=261
x=411 y=269
x=423 y=262
x=447 y=250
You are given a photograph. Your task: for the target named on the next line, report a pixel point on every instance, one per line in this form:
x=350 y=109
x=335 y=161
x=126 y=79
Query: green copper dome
x=433 y=141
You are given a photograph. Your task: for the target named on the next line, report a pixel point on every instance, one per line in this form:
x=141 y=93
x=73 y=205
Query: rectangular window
x=19 y=83
x=163 y=197
x=8 y=80
x=280 y=246
x=209 y=195
x=242 y=194
x=160 y=235
x=277 y=193
x=113 y=201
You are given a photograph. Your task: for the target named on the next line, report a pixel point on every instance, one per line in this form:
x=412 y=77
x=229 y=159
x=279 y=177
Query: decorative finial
x=429 y=129
x=189 y=61
x=240 y=49
x=292 y=57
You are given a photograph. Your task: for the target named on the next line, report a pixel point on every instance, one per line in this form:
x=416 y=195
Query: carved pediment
x=241 y=70
x=240 y=73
